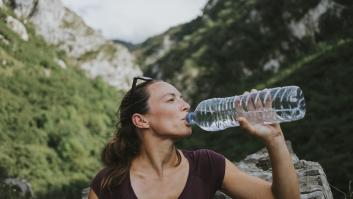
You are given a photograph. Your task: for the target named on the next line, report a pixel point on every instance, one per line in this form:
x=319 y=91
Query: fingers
x=253 y=101
x=239 y=110
x=267 y=99
x=252 y=106
x=244 y=101
x=255 y=97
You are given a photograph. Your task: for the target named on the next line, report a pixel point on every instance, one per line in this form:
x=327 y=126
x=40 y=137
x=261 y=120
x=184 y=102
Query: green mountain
x=238 y=45
x=54 y=120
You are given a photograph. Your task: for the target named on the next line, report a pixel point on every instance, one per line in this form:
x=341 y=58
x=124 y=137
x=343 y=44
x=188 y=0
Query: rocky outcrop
x=15 y=188
x=4 y=40
x=61 y=27
x=312 y=178
x=85 y=193
x=121 y=60
x=166 y=45
x=24 y=8
x=16 y=26
x=308 y=25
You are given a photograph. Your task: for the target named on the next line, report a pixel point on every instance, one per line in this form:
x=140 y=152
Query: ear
x=140 y=121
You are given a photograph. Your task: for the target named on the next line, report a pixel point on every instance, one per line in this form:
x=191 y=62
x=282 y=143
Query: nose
x=185 y=106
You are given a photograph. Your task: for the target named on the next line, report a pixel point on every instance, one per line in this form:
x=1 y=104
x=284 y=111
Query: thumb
x=245 y=124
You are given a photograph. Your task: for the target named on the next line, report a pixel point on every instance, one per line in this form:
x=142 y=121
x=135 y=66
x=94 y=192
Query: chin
x=187 y=133
x=183 y=134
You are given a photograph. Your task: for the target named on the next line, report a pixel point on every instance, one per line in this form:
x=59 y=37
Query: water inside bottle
x=286 y=104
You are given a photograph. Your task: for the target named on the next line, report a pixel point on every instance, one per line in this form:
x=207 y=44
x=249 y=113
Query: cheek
x=164 y=114
x=166 y=121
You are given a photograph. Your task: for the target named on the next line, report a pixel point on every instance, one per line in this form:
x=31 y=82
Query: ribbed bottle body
x=276 y=105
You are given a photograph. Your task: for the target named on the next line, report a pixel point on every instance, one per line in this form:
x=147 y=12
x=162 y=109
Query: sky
x=135 y=20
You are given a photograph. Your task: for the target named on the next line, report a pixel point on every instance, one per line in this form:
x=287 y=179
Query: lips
x=186 y=122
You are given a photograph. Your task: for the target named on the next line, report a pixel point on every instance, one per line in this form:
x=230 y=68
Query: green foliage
x=54 y=121
x=324 y=135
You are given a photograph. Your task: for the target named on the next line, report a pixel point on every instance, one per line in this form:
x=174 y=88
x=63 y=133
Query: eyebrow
x=172 y=94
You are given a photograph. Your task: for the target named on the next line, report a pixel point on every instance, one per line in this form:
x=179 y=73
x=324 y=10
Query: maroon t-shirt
x=206 y=173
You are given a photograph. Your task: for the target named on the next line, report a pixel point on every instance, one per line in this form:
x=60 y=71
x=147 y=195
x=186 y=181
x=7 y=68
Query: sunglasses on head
x=134 y=83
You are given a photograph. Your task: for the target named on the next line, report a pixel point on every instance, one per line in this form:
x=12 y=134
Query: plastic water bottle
x=275 y=105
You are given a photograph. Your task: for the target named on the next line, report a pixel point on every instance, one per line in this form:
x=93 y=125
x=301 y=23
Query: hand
x=264 y=131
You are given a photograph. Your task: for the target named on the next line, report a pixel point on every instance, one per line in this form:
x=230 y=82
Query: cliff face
x=93 y=53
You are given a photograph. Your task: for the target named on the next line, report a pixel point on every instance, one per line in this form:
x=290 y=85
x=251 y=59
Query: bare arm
x=285 y=182
x=238 y=184
x=284 y=178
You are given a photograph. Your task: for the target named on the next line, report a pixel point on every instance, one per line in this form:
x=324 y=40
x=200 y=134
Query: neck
x=156 y=154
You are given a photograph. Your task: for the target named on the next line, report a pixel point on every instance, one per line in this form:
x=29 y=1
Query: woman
x=141 y=161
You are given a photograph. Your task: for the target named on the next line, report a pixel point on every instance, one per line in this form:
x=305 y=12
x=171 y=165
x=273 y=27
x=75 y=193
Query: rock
x=24 y=8
x=166 y=45
x=272 y=65
x=85 y=193
x=312 y=178
x=116 y=66
x=220 y=195
x=61 y=63
x=47 y=72
x=4 y=40
x=60 y=26
x=16 y=26
x=16 y=188
x=309 y=24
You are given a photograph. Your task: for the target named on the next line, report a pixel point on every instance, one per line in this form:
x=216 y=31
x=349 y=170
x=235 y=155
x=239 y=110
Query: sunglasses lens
x=134 y=83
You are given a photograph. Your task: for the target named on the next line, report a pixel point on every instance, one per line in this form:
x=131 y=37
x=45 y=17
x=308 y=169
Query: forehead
x=160 y=89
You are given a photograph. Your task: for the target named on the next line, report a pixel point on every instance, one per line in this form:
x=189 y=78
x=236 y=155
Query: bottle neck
x=190 y=118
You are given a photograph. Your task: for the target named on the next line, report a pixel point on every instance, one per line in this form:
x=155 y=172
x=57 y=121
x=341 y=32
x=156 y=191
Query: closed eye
x=171 y=100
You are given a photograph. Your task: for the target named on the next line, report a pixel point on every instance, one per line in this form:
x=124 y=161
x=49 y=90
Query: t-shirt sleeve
x=212 y=168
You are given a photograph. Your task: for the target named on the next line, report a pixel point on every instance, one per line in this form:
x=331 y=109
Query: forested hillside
x=53 y=119
x=238 y=45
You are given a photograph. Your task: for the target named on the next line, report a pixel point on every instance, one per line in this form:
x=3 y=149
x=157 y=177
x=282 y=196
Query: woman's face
x=167 y=111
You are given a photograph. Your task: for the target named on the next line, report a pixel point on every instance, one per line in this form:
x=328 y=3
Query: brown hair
x=125 y=145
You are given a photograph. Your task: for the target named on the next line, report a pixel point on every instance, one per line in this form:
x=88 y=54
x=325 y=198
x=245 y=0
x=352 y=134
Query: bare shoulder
x=92 y=195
